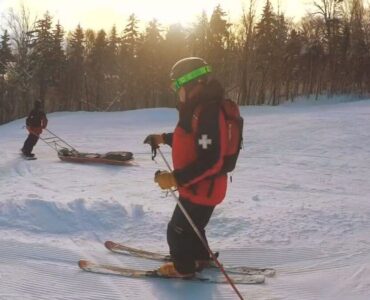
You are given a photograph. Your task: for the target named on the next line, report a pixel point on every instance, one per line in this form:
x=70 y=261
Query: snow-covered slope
x=299 y=202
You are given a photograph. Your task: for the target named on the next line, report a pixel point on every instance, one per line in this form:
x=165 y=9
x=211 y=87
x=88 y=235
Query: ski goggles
x=179 y=82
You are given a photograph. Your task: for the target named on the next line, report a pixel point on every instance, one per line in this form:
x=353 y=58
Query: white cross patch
x=204 y=141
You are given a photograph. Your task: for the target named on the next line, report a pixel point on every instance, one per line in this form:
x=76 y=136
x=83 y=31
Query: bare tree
x=248 y=23
x=331 y=11
x=18 y=76
x=21 y=28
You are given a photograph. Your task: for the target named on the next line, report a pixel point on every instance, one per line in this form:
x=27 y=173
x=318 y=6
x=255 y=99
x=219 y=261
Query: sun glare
x=166 y=11
x=98 y=14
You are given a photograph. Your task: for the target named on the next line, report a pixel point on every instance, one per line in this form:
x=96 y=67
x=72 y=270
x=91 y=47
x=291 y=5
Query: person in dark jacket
x=35 y=123
x=198 y=147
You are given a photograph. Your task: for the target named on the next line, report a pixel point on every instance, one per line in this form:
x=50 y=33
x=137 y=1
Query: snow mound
x=38 y=215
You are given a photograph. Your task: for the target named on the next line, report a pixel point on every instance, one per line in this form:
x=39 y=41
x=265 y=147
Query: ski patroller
x=106 y=269
x=196 y=230
x=126 y=250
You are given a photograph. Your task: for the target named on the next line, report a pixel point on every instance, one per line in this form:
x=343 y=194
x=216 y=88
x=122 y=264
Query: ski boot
x=169 y=270
x=201 y=264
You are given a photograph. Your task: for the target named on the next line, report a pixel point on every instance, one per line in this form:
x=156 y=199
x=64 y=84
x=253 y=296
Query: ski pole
x=214 y=258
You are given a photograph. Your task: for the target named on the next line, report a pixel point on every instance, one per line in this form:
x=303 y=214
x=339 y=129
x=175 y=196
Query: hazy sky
x=97 y=14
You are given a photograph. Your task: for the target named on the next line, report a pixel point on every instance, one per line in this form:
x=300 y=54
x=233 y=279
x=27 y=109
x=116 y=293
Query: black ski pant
x=185 y=245
x=29 y=144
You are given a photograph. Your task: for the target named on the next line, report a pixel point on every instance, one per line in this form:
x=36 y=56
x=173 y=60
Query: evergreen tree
x=246 y=61
x=90 y=37
x=278 y=54
x=151 y=69
x=328 y=51
x=98 y=68
x=217 y=39
x=359 y=56
x=131 y=37
x=264 y=51
x=5 y=52
x=89 y=76
x=291 y=71
x=58 y=55
x=112 y=52
x=199 y=37
x=111 y=75
x=5 y=57
x=76 y=68
x=42 y=55
x=175 y=47
x=128 y=63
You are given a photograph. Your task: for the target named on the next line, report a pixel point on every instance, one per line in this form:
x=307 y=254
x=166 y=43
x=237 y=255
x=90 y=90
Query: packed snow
x=298 y=202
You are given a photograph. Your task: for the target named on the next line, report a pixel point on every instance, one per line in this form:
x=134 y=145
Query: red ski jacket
x=197 y=153
x=36 y=122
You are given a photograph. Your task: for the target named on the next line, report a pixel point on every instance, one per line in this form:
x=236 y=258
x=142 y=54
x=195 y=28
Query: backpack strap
x=197 y=111
x=196 y=114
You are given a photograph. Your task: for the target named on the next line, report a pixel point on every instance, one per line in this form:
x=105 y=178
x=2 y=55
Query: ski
x=28 y=157
x=123 y=249
x=135 y=273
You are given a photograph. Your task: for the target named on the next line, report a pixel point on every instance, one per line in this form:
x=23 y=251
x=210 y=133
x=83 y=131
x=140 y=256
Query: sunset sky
x=97 y=14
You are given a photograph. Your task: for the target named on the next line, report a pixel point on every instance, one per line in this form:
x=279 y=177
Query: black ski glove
x=154 y=140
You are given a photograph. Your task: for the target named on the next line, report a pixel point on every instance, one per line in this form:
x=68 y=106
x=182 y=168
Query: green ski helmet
x=187 y=70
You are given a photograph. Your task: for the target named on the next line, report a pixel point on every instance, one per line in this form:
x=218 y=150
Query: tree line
x=266 y=58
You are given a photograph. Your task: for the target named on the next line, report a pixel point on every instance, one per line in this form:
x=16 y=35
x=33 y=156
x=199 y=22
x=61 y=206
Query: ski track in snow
x=298 y=202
